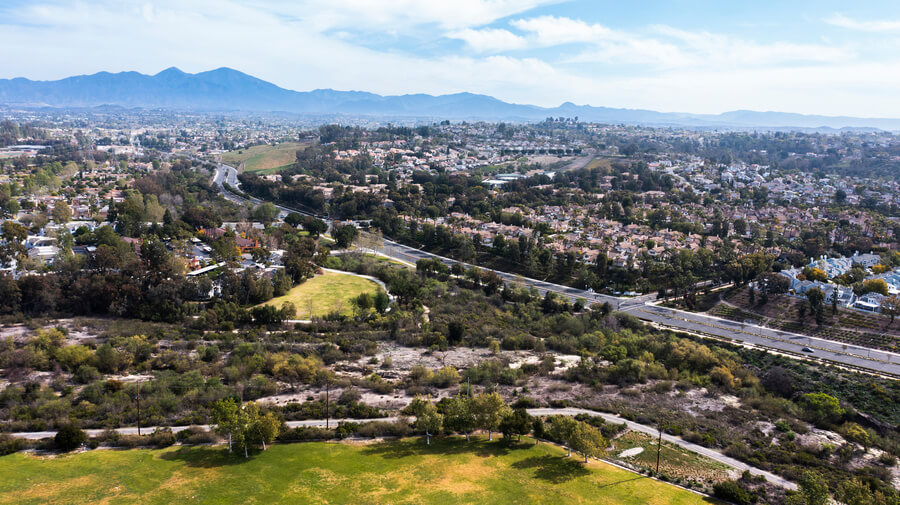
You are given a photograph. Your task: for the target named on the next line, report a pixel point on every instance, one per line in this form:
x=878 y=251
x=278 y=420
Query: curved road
x=792 y=344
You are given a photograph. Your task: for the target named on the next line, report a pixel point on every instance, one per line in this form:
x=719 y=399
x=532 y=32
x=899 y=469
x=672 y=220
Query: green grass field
x=398 y=472
x=264 y=159
x=326 y=293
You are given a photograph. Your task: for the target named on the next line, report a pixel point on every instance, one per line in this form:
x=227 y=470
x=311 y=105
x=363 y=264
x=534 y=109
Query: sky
x=813 y=57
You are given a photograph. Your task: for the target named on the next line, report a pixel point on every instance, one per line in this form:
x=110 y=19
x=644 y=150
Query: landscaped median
x=401 y=471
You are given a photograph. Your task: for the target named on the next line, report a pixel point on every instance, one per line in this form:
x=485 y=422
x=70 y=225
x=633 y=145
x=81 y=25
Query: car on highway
x=807 y=349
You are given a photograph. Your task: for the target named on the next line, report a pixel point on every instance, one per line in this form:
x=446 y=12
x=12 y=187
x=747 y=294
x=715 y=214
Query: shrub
x=10 y=444
x=69 y=437
x=400 y=428
x=195 y=435
x=822 y=409
x=525 y=402
x=732 y=491
x=86 y=374
x=445 y=377
x=129 y=441
x=303 y=433
x=161 y=437
x=662 y=387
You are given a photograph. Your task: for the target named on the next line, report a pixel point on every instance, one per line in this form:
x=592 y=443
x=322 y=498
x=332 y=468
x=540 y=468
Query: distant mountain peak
x=171 y=71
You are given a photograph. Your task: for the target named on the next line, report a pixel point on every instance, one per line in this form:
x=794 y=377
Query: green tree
x=381 y=301
x=61 y=212
x=816 y=297
x=890 y=306
x=588 y=440
x=874 y=286
x=14 y=235
x=489 y=409
x=314 y=226
x=822 y=409
x=813 y=490
x=259 y=254
x=225 y=418
x=517 y=423
x=294 y=219
x=840 y=197
x=562 y=429
x=263 y=427
x=244 y=424
x=458 y=415
x=225 y=247
x=69 y=437
x=265 y=213
x=428 y=419
x=345 y=235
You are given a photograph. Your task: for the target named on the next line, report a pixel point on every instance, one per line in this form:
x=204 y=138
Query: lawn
x=264 y=159
x=326 y=293
x=398 y=472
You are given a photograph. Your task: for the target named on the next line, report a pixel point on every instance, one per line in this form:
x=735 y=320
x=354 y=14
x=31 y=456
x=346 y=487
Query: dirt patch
x=816 y=437
x=48 y=492
x=634 y=451
x=459 y=478
x=699 y=400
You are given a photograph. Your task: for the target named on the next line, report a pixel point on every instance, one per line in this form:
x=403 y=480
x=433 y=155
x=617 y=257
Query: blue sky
x=822 y=57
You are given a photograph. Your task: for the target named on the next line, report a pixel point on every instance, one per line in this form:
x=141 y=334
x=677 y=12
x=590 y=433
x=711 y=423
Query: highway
x=884 y=362
x=642 y=307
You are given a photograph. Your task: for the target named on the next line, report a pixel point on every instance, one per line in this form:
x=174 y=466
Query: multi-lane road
x=642 y=307
x=849 y=355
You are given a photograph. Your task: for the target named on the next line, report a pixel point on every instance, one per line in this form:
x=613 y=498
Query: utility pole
x=139 y=407
x=327 y=385
x=658 y=447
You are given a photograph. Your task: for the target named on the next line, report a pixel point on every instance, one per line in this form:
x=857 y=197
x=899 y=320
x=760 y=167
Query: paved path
x=699 y=449
x=612 y=418
x=132 y=430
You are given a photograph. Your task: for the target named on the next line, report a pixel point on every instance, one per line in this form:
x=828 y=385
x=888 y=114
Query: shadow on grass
x=553 y=469
x=205 y=457
x=623 y=481
x=439 y=446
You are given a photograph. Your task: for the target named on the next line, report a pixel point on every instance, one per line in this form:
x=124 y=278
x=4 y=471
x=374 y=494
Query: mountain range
x=225 y=89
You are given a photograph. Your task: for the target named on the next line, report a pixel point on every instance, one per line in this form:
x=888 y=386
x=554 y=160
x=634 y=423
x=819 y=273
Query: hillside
x=227 y=89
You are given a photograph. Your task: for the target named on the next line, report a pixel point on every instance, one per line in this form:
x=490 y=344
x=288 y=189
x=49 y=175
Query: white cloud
x=313 y=45
x=842 y=21
x=402 y=14
x=489 y=39
x=552 y=30
x=722 y=50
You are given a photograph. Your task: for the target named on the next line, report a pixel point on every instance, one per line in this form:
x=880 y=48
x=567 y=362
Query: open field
x=264 y=158
x=326 y=293
x=406 y=471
